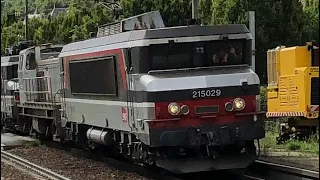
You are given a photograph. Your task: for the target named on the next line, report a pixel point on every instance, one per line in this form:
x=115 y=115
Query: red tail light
x=16 y=97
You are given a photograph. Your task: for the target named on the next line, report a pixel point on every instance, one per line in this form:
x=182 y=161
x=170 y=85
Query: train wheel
x=298 y=129
x=40 y=137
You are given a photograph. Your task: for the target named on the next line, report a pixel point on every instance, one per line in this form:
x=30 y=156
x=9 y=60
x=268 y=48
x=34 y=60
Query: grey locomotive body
x=9 y=81
x=9 y=66
x=162 y=96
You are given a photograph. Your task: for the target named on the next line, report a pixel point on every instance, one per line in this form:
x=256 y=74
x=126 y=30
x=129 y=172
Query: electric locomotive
x=180 y=98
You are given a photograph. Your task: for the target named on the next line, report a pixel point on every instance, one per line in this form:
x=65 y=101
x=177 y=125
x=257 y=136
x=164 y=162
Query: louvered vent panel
x=108 y=30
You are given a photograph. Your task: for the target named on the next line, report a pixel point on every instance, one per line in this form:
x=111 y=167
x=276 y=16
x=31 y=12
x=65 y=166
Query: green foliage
x=311 y=18
x=45 y=6
x=11 y=34
x=81 y=18
x=221 y=10
x=311 y=145
x=294 y=146
x=174 y=12
x=263 y=98
x=205 y=9
x=34 y=143
x=285 y=22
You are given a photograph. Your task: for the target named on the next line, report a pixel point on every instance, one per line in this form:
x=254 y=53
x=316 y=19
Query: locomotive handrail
x=36 y=92
x=54 y=97
x=14 y=79
x=37 y=77
x=3 y=94
x=38 y=89
x=3 y=87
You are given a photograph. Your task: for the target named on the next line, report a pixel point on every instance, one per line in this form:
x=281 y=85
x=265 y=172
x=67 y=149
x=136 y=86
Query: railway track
x=151 y=173
x=274 y=171
x=260 y=170
x=35 y=169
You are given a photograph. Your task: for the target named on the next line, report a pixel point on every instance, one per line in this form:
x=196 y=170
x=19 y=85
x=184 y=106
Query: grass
x=310 y=145
x=34 y=143
x=272 y=130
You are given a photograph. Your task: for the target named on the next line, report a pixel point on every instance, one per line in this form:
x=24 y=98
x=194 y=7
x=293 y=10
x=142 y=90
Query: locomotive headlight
x=174 y=108
x=239 y=104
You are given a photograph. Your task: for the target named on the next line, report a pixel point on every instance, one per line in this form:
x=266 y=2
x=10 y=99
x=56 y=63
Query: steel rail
x=119 y=164
x=33 y=167
x=287 y=170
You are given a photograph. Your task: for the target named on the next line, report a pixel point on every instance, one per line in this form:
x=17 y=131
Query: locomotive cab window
x=171 y=56
x=197 y=54
x=31 y=61
x=226 y=52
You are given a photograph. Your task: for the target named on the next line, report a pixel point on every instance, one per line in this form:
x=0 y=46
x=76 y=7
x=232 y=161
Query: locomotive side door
x=26 y=74
x=131 y=95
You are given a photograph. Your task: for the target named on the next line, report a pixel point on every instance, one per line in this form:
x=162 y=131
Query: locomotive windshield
x=197 y=54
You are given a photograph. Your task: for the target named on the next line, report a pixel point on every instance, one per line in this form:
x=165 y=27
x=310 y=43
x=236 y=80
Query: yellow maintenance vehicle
x=293 y=89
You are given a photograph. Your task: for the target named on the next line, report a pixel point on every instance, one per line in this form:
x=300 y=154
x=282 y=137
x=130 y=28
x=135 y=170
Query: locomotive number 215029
x=206 y=93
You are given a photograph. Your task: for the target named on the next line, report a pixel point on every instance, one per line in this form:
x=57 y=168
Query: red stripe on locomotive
x=117 y=52
x=164 y=119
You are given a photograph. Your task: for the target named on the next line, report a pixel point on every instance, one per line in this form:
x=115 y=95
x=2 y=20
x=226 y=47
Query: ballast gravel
x=75 y=168
x=8 y=172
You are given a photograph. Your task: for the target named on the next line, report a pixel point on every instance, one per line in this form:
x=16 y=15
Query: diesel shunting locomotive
x=9 y=77
x=293 y=89
x=181 y=98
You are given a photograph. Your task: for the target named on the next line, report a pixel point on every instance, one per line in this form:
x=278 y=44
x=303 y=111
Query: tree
x=278 y=22
x=11 y=35
x=45 y=6
x=205 y=11
x=311 y=18
x=174 y=12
